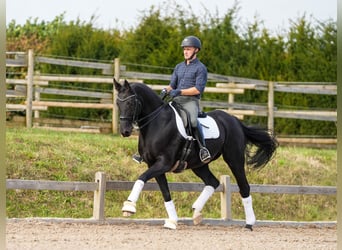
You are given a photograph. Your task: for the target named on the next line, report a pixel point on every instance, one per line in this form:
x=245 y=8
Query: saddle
x=209 y=125
x=184 y=127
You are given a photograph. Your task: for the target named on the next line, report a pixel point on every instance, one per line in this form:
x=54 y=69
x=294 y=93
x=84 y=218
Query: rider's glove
x=175 y=92
x=163 y=93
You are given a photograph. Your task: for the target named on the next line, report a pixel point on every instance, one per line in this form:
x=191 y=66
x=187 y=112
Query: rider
x=187 y=84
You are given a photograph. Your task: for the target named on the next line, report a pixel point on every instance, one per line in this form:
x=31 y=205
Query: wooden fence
x=34 y=84
x=101 y=185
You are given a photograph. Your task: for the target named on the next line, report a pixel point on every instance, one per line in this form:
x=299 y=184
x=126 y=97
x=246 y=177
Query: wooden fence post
x=230 y=101
x=36 y=113
x=29 y=88
x=99 y=196
x=226 y=198
x=115 y=121
x=270 y=122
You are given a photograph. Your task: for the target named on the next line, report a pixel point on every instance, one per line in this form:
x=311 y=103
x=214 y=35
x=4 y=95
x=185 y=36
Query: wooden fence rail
x=35 y=84
x=101 y=185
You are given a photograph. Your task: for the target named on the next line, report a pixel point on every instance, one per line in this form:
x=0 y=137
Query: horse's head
x=128 y=107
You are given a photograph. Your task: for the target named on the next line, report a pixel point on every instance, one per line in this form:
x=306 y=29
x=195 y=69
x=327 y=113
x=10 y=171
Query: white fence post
x=226 y=198
x=99 y=196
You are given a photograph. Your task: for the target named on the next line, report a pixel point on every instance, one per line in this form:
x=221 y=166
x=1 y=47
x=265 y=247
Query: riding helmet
x=191 y=41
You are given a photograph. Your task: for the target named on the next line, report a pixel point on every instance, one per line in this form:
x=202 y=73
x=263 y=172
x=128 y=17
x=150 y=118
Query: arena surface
x=31 y=234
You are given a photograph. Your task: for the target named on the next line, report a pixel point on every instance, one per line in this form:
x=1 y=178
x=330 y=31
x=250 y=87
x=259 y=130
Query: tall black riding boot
x=204 y=153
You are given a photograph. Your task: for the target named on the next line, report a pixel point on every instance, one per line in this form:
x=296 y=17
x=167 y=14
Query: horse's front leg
x=128 y=208
x=156 y=170
x=171 y=222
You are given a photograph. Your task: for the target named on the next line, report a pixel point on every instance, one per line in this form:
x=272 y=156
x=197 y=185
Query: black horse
x=161 y=146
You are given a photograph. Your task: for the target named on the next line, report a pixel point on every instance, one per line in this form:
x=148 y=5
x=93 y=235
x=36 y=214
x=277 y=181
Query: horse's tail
x=265 y=142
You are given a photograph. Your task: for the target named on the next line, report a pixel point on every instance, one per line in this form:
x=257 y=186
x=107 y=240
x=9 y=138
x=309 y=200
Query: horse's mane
x=146 y=92
x=137 y=85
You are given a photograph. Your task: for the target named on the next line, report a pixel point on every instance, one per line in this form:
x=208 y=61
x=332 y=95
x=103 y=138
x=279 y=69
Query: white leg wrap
x=203 y=198
x=128 y=208
x=249 y=213
x=136 y=190
x=171 y=222
x=171 y=210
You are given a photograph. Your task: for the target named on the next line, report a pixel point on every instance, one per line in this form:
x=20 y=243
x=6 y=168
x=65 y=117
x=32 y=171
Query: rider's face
x=189 y=52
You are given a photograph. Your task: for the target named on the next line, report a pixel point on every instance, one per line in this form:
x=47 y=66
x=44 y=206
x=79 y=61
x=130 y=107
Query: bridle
x=137 y=110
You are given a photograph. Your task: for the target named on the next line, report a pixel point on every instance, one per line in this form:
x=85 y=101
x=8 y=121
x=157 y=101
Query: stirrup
x=204 y=155
x=137 y=158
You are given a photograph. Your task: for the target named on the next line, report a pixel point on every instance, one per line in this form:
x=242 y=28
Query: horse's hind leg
x=211 y=183
x=237 y=165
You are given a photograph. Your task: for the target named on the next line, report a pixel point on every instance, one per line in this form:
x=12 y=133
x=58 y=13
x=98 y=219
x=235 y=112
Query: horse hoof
x=197 y=218
x=126 y=214
x=128 y=208
x=170 y=224
x=250 y=227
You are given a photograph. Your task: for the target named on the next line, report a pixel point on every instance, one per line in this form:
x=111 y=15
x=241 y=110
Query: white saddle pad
x=209 y=126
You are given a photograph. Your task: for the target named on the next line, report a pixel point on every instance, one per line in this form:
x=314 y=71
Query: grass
x=48 y=155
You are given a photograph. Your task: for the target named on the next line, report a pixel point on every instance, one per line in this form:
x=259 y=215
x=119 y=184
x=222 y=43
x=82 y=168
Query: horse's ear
x=126 y=84
x=117 y=85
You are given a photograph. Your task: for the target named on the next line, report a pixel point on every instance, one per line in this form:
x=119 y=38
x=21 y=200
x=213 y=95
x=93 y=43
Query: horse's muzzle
x=126 y=126
x=126 y=130
x=126 y=133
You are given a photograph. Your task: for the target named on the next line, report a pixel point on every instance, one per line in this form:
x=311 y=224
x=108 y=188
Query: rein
x=153 y=114
x=137 y=109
